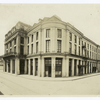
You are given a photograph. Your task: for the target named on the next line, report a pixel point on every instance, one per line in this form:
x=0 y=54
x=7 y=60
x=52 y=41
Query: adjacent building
x=50 y=48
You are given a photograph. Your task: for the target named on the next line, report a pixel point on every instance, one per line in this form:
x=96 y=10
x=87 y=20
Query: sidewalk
x=72 y=78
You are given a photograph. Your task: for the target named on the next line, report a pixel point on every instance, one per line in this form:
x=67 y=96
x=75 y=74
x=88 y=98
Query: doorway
x=58 y=69
x=70 y=67
x=47 y=67
x=22 y=65
x=8 y=66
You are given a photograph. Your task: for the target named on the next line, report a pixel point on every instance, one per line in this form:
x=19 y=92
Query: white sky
x=85 y=17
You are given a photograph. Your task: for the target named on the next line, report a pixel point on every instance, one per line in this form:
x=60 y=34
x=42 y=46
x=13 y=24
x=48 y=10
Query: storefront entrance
x=70 y=67
x=58 y=69
x=31 y=67
x=36 y=67
x=8 y=66
x=22 y=64
x=47 y=67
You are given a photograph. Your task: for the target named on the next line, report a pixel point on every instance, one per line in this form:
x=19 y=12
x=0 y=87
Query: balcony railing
x=10 y=53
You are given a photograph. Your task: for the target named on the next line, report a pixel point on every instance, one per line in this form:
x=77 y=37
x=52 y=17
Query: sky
x=85 y=17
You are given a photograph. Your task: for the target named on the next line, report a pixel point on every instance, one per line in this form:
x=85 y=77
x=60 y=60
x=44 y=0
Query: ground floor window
x=70 y=67
x=5 y=66
x=75 y=62
x=22 y=65
x=8 y=66
x=31 y=67
x=47 y=67
x=58 y=69
x=36 y=67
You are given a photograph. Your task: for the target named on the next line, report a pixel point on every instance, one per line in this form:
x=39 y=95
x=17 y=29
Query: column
x=25 y=66
x=83 y=68
x=89 y=67
x=67 y=66
x=77 y=67
x=17 y=65
x=86 y=67
x=33 y=66
x=28 y=66
x=43 y=67
x=72 y=67
x=3 y=65
x=39 y=65
x=7 y=65
x=53 y=67
x=63 y=67
x=11 y=66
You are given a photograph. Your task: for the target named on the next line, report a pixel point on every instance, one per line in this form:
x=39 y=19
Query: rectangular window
x=59 y=31
x=37 y=36
x=47 y=33
x=28 y=49
x=14 y=41
x=28 y=40
x=22 y=40
x=82 y=43
x=70 y=47
x=48 y=46
x=6 y=46
x=70 y=36
x=79 y=41
x=10 y=50
x=75 y=49
x=90 y=47
x=31 y=48
x=75 y=38
x=79 y=50
x=90 y=54
x=10 y=44
x=59 y=46
x=21 y=50
x=36 y=47
x=32 y=38
x=14 y=49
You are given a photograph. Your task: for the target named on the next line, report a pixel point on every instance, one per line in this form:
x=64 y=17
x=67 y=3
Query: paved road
x=17 y=85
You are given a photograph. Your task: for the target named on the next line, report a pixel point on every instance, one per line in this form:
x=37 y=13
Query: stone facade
x=50 y=48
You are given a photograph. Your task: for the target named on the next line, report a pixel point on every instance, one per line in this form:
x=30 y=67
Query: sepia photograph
x=49 y=50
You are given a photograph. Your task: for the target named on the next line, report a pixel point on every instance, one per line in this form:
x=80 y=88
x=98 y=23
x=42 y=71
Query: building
x=50 y=48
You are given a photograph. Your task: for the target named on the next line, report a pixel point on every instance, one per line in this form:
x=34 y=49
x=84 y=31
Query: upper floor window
x=28 y=40
x=75 y=38
x=21 y=49
x=14 y=41
x=7 y=46
x=14 y=49
x=75 y=48
x=28 y=49
x=47 y=33
x=70 y=36
x=82 y=43
x=79 y=41
x=22 y=40
x=58 y=45
x=59 y=31
x=32 y=38
x=79 y=50
x=70 y=47
x=88 y=46
x=10 y=44
x=48 y=46
x=31 y=48
x=37 y=36
x=36 y=47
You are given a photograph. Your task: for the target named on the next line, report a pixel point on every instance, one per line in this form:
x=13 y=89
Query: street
x=19 y=85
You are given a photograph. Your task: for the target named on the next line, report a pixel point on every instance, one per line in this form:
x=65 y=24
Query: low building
x=50 y=48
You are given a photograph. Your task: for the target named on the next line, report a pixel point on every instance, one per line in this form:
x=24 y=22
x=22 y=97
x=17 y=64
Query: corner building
x=50 y=48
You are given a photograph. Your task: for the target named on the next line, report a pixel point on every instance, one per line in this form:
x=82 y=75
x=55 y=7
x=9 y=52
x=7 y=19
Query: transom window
x=47 y=33
x=59 y=31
